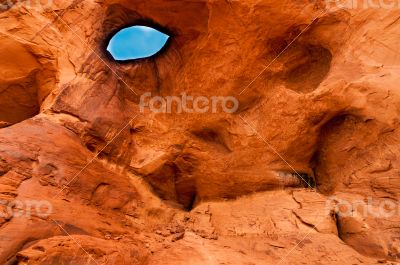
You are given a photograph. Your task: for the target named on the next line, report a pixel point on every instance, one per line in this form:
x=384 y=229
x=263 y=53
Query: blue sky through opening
x=136 y=42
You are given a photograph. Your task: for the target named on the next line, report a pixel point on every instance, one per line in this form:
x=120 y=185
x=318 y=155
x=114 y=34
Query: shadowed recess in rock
x=136 y=42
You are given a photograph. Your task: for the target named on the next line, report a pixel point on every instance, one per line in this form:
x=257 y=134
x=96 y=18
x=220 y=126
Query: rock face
x=305 y=171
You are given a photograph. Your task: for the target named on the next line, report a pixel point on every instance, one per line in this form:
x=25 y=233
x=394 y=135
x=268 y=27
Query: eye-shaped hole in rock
x=136 y=42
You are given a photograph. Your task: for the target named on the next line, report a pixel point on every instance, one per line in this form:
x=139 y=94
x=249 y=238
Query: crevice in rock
x=213 y=137
x=192 y=202
x=298 y=202
x=304 y=222
x=171 y=180
x=162 y=180
x=307 y=180
x=4 y=167
x=325 y=182
x=335 y=217
x=249 y=101
x=69 y=114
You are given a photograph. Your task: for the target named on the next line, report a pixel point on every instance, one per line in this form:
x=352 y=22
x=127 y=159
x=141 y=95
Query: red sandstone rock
x=318 y=93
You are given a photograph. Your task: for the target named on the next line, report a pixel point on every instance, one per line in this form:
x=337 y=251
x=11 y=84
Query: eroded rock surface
x=317 y=125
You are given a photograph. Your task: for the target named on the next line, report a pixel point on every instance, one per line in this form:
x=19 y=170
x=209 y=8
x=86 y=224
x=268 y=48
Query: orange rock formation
x=319 y=102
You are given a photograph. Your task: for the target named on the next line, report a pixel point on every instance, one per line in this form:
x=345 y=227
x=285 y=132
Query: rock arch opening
x=136 y=42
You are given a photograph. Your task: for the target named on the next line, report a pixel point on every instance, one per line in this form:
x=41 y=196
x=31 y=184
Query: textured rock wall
x=319 y=101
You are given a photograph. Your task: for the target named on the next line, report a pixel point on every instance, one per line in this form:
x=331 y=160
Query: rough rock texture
x=127 y=187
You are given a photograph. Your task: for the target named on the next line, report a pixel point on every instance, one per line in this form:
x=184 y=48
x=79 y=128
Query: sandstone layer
x=319 y=101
